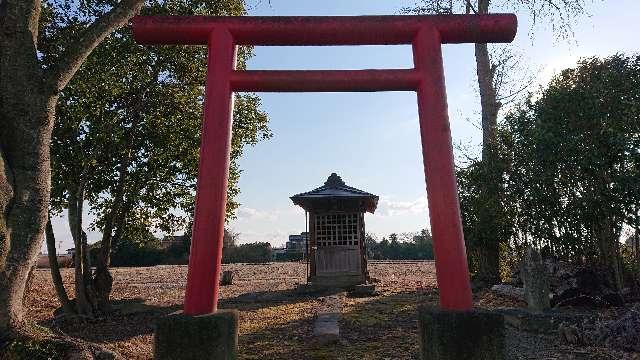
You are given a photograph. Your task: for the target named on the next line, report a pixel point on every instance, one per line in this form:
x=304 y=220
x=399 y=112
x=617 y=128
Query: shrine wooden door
x=338 y=246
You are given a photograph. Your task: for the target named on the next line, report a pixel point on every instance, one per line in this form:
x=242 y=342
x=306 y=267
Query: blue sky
x=372 y=139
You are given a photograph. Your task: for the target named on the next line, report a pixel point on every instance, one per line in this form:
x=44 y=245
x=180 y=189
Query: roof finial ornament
x=334 y=181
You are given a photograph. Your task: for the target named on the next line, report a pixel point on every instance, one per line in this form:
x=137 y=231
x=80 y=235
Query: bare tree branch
x=441 y=7
x=470 y=8
x=562 y=15
x=59 y=75
x=513 y=75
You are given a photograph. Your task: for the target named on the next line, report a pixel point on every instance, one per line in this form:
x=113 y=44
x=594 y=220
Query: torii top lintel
x=325 y=30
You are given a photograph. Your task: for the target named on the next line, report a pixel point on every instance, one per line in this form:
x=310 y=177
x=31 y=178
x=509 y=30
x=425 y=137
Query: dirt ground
x=276 y=320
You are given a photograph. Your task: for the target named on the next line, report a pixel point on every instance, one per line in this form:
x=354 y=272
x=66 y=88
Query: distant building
x=173 y=240
x=297 y=243
x=278 y=253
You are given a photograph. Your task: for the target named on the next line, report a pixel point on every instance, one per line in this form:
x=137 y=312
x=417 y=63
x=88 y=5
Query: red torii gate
x=425 y=33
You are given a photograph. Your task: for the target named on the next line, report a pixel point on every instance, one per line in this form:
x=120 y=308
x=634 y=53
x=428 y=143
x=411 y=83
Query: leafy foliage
x=407 y=246
x=503 y=78
x=486 y=209
x=259 y=252
x=127 y=139
x=570 y=160
x=21 y=349
x=580 y=143
x=145 y=250
x=131 y=117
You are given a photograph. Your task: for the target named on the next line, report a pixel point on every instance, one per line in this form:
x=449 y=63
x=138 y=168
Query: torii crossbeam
x=426 y=78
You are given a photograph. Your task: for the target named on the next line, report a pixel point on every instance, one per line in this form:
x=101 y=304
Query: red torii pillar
x=425 y=33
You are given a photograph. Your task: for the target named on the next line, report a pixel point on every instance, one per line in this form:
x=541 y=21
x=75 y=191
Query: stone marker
x=204 y=337
x=536 y=281
x=460 y=335
x=227 y=278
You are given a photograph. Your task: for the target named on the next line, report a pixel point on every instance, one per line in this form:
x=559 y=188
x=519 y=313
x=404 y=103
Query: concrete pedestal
x=460 y=335
x=205 y=337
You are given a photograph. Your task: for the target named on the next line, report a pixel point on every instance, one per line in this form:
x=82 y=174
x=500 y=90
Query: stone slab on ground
x=540 y=322
x=326 y=325
x=326 y=328
x=510 y=291
x=460 y=335
x=207 y=337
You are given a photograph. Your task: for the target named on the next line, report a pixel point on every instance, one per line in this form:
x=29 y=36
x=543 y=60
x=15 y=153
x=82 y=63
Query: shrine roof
x=336 y=188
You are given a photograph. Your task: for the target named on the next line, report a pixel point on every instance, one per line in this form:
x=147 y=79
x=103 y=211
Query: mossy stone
x=460 y=335
x=204 y=337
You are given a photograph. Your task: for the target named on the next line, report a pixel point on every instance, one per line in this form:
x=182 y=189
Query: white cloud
x=276 y=237
x=247 y=213
x=553 y=67
x=389 y=207
x=273 y=225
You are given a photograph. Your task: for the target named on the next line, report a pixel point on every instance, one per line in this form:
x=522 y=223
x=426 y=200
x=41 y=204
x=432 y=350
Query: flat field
x=276 y=320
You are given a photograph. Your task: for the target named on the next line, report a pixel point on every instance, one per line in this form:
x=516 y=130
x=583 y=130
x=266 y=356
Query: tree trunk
x=489 y=104
x=83 y=302
x=87 y=273
x=489 y=251
x=24 y=198
x=30 y=276
x=26 y=113
x=610 y=252
x=636 y=244
x=28 y=96
x=488 y=97
x=103 y=281
x=67 y=306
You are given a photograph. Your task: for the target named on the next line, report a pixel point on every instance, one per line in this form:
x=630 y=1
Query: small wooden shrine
x=337 y=248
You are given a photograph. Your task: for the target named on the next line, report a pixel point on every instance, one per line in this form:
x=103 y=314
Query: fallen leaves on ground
x=275 y=319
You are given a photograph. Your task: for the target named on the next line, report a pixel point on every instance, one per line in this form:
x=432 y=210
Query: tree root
x=35 y=342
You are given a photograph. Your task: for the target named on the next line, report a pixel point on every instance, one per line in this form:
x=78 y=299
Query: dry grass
x=275 y=320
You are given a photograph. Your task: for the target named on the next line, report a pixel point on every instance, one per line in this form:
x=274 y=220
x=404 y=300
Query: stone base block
x=341 y=281
x=460 y=335
x=184 y=337
x=363 y=290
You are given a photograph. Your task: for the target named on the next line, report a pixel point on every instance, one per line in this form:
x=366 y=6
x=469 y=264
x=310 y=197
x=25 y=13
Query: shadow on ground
x=265 y=299
x=134 y=317
x=382 y=327
x=130 y=318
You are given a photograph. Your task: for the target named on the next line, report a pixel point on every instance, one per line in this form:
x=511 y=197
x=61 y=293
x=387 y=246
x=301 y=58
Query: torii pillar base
x=460 y=335
x=203 y=337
